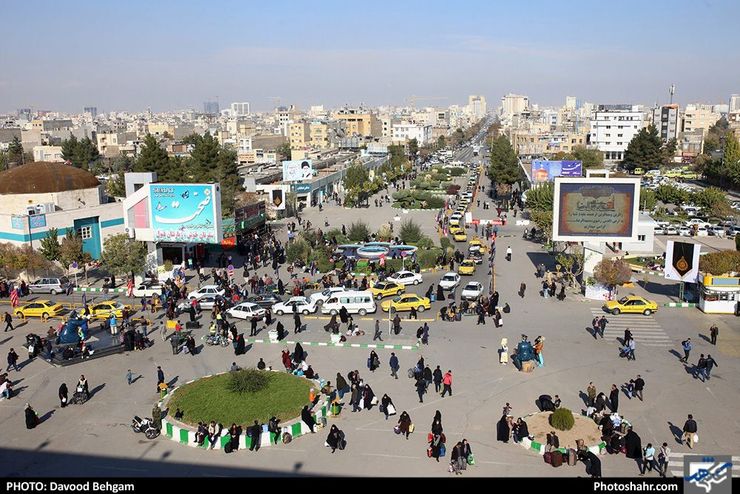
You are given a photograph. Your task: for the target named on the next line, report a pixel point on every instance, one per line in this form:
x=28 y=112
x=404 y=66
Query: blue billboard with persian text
x=546 y=170
x=188 y=213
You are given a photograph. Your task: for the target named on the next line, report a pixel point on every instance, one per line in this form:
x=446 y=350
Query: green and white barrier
x=99 y=290
x=679 y=304
x=380 y=346
x=296 y=427
x=539 y=448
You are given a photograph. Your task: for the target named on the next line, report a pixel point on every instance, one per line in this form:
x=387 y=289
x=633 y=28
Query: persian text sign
x=596 y=209
x=186 y=212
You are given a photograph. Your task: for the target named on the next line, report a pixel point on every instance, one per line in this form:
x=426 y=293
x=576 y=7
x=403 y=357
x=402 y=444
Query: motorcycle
x=146 y=426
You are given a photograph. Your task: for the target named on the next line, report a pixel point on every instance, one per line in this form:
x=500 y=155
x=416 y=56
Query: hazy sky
x=169 y=55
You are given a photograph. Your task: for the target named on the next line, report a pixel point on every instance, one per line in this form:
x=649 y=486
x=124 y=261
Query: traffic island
x=213 y=398
x=583 y=428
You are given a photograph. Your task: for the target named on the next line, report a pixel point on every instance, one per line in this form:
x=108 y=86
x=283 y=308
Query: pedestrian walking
x=631 y=349
x=508 y=253
x=8 y=322
x=663 y=455
x=297 y=322
x=639 y=386
x=447 y=383
x=591 y=392
x=689 y=431
x=648 y=459
x=378 y=334
x=163 y=330
x=393 y=364
x=63 y=395
x=602 y=325
x=160 y=377
x=413 y=314
x=614 y=398
x=437 y=379
x=687 y=346
x=698 y=370
x=709 y=364
x=713 y=333
x=421 y=388
x=253 y=326
x=522 y=289
x=12 y=361
x=130 y=377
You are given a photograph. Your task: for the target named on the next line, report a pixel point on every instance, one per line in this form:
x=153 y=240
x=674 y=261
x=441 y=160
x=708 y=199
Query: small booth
x=719 y=294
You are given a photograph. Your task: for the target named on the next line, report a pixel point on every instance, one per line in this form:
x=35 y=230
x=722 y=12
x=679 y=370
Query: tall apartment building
x=698 y=117
x=211 y=108
x=359 y=122
x=239 y=109
x=92 y=110
x=319 y=135
x=477 y=106
x=513 y=104
x=285 y=116
x=405 y=131
x=734 y=104
x=299 y=135
x=571 y=103
x=613 y=127
x=665 y=119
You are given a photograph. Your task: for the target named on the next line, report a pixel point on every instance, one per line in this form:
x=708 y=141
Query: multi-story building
x=239 y=109
x=92 y=110
x=298 y=135
x=477 y=106
x=211 y=107
x=52 y=154
x=513 y=104
x=359 y=122
x=405 y=131
x=285 y=116
x=665 y=119
x=734 y=104
x=613 y=127
x=319 y=135
x=699 y=117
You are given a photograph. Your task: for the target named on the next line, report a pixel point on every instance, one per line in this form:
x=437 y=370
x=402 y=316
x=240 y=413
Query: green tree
x=648 y=199
x=227 y=174
x=15 y=151
x=540 y=198
x=644 y=150
x=504 y=168
x=69 y=148
x=731 y=159
x=719 y=263
x=71 y=250
x=358 y=232
x=413 y=149
x=122 y=255
x=410 y=232
x=612 y=272
x=670 y=194
x=80 y=153
x=50 y=246
x=356 y=176
x=714 y=141
x=4 y=160
x=441 y=141
x=543 y=220
x=669 y=150
x=116 y=186
x=203 y=157
x=591 y=158
x=153 y=158
x=713 y=201
x=283 y=151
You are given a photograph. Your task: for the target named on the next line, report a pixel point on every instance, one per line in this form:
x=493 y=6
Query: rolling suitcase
x=572 y=458
x=548 y=457
x=557 y=459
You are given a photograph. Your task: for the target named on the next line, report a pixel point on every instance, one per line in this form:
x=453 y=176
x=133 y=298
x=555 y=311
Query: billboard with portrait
x=297 y=170
x=595 y=209
x=186 y=213
x=546 y=171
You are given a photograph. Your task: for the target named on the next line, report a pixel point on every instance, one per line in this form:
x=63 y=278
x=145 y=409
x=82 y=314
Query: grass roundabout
x=258 y=395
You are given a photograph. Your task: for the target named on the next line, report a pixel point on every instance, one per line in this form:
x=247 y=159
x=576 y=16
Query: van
x=355 y=302
x=49 y=285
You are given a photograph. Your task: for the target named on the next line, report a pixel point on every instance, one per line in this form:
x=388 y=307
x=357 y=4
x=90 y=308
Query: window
x=620 y=135
x=85 y=232
x=641 y=238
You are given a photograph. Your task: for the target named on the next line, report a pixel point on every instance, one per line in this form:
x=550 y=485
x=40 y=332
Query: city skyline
x=338 y=54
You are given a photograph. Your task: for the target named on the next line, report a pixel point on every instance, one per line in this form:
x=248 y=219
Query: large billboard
x=277 y=195
x=297 y=170
x=186 y=213
x=681 y=261
x=546 y=171
x=596 y=209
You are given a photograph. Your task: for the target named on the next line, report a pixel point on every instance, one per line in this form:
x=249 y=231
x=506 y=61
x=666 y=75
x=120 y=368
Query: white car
x=449 y=281
x=206 y=290
x=147 y=289
x=302 y=305
x=246 y=310
x=455 y=219
x=472 y=290
x=406 y=278
x=671 y=230
x=319 y=298
x=684 y=231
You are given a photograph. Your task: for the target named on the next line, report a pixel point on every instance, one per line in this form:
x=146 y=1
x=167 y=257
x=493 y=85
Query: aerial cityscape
x=487 y=239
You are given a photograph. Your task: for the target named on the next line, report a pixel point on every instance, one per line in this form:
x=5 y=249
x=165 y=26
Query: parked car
x=302 y=305
x=49 y=285
x=450 y=281
x=631 y=304
x=266 y=301
x=319 y=298
x=671 y=230
x=148 y=288
x=717 y=231
x=406 y=278
x=406 y=302
x=472 y=290
x=39 y=308
x=684 y=231
x=206 y=290
x=246 y=311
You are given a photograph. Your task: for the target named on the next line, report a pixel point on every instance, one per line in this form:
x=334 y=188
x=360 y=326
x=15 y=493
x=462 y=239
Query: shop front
x=719 y=294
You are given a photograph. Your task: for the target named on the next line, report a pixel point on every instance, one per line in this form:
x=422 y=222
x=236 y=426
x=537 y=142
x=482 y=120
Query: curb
x=342 y=345
x=636 y=269
x=680 y=304
x=539 y=448
x=100 y=290
x=185 y=435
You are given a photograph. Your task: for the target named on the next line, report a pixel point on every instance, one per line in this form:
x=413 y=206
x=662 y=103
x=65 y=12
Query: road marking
x=645 y=329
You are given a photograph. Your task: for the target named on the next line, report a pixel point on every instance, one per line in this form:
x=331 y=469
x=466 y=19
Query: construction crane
x=413 y=99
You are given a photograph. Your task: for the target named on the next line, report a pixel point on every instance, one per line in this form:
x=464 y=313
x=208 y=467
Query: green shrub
x=336 y=233
x=428 y=258
x=297 y=249
x=358 y=232
x=321 y=257
x=248 y=381
x=384 y=233
x=457 y=171
x=562 y=419
x=446 y=243
x=410 y=232
x=425 y=242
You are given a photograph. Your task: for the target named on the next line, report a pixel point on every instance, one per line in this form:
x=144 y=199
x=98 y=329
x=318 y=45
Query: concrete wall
x=68 y=200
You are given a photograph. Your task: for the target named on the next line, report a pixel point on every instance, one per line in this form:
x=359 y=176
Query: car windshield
x=396 y=299
x=624 y=300
x=449 y=277
x=471 y=286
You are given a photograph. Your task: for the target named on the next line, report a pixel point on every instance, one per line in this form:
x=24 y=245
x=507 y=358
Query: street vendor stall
x=719 y=294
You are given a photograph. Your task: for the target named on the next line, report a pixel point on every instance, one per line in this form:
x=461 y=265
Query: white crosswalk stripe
x=645 y=329
x=675 y=463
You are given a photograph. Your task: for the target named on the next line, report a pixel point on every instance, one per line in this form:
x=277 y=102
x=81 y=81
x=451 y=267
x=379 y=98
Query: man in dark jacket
x=160 y=377
x=255 y=433
x=12 y=360
x=639 y=386
x=393 y=363
x=689 y=429
x=437 y=378
x=614 y=398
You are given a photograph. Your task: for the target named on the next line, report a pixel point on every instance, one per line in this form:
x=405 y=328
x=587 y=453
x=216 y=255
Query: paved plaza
x=95 y=439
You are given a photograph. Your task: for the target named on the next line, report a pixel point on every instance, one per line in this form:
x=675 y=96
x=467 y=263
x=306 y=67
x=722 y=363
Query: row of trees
x=647 y=150
x=357 y=181
x=15 y=155
x=504 y=169
x=82 y=153
x=720 y=162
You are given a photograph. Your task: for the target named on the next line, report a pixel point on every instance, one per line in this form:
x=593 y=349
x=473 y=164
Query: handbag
x=471 y=459
x=374 y=400
x=391 y=409
x=397 y=429
x=411 y=428
x=696 y=437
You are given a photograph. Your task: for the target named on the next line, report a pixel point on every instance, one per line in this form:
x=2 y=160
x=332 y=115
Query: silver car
x=49 y=285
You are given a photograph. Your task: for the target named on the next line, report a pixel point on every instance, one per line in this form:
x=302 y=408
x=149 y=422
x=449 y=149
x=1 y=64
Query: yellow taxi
x=631 y=304
x=386 y=289
x=458 y=234
x=466 y=267
x=103 y=310
x=406 y=302
x=39 y=308
x=477 y=244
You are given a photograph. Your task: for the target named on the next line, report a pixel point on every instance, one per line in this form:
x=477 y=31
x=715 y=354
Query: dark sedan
x=266 y=301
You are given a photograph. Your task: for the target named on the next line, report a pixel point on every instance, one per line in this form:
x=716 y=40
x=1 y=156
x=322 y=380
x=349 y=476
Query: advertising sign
x=186 y=212
x=18 y=222
x=276 y=195
x=596 y=209
x=302 y=188
x=682 y=261
x=546 y=171
x=297 y=170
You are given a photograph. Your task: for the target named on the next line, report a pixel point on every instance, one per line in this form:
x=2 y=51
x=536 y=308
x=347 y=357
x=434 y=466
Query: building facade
x=665 y=119
x=613 y=127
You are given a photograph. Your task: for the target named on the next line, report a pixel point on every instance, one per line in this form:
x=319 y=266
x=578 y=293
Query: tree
x=71 y=250
x=731 y=159
x=50 y=247
x=543 y=220
x=670 y=194
x=284 y=151
x=410 y=232
x=644 y=150
x=122 y=255
x=714 y=141
x=572 y=265
x=355 y=177
x=669 y=150
x=648 y=199
x=713 y=201
x=4 y=160
x=116 y=186
x=413 y=149
x=590 y=158
x=80 y=153
x=227 y=174
x=504 y=168
x=541 y=197
x=153 y=158
x=719 y=263
x=15 y=151
x=612 y=272
x=358 y=232
x=69 y=148
x=441 y=141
